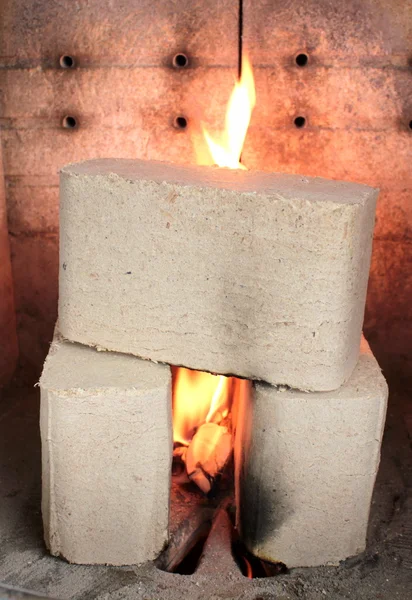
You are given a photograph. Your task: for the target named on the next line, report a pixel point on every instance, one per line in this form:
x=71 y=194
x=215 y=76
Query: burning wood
x=207 y=454
x=201 y=409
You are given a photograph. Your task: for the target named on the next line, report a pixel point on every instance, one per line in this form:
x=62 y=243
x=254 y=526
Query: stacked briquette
x=259 y=275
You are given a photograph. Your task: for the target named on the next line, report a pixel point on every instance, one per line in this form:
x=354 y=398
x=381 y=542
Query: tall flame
x=198 y=397
x=227 y=148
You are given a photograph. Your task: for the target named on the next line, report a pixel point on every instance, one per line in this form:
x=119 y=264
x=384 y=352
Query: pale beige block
x=106 y=449
x=306 y=465
x=255 y=274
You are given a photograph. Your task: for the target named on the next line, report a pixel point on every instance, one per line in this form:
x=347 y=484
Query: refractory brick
x=254 y=274
x=106 y=451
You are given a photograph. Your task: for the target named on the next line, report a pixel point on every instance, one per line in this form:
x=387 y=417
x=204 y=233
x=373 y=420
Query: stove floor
x=383 y=571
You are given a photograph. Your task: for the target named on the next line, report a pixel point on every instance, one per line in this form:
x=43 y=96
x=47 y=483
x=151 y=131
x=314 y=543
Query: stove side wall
x=8 y=335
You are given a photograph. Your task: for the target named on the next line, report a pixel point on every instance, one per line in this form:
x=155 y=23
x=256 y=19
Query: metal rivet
x=302 y=59
x=67 y=62
x=180 y=122
x=300 y=122
x=69 y=122
x=180 y=60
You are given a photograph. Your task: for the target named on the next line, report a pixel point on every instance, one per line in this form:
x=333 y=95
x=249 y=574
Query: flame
x=227 y=148
x=249 y=571
x=198 y=397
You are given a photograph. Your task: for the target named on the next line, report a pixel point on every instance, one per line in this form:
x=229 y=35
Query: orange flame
x=199 y=397
x=227 y=148
x=249 y=571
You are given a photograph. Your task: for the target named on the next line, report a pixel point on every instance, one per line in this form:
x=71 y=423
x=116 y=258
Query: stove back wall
x=123 y=95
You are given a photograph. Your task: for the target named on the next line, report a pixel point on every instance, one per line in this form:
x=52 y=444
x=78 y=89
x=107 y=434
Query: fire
x=227 y=148
x=249 y=571
x=198 y=398
x=202 y=401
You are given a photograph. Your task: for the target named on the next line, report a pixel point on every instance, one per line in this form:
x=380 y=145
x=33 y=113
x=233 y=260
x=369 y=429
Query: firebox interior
x=205 y=407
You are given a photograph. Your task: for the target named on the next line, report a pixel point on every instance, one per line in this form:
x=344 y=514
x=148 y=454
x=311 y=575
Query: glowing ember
x=201 y=401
